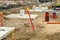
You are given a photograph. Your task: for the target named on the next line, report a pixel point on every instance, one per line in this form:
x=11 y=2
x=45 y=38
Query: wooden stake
x=12 y=34
x=30 y=20
x=53 y=22
x=1 y=23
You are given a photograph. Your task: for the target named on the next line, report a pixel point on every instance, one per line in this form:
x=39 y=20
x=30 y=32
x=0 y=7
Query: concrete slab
x=49 y=10
x=25 y=16
x=35 y=10
x=4 y=31
x=38 y=9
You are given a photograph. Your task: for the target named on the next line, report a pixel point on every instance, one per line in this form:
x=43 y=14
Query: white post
x=37 y=1
x=22 y=12
x=40 y=5
x=34 y=7
x=7 y=3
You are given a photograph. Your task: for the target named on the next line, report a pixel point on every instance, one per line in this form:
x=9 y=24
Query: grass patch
x=57 y=4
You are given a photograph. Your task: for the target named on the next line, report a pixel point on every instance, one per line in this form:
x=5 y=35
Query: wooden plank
x=53 y=22
x=4 y=31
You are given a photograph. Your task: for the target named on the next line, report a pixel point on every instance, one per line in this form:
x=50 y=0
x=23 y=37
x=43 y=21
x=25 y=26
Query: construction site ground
x=42 y=31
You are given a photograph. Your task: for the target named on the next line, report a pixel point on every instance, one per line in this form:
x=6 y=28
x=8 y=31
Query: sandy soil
x=43 y=31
